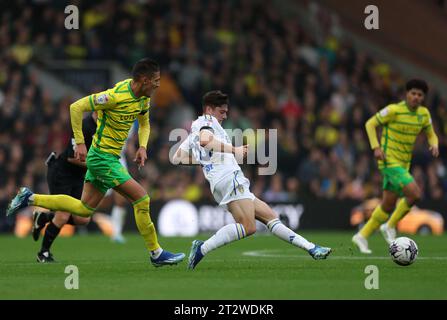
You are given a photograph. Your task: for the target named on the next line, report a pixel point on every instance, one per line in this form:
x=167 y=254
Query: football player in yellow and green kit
x=117 y=108
x=401 y=124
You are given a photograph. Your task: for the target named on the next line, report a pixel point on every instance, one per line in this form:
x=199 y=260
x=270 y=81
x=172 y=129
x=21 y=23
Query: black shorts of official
x=61 y=180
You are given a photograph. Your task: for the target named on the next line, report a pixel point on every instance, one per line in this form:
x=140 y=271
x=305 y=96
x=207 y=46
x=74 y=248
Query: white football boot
x=388 y=233
x=361 y=243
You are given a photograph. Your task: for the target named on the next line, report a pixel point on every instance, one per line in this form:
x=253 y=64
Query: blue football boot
x=20 y=201
x=195 y=254
x=167 y=258
x=319 y=253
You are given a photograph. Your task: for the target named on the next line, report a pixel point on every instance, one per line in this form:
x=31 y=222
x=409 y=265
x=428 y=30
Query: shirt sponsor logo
x=128 y=117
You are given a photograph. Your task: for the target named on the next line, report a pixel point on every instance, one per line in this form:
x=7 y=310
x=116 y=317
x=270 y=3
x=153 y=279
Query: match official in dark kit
x=65 y=175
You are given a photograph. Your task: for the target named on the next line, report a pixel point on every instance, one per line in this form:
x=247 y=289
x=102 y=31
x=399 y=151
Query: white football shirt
x=215 y=165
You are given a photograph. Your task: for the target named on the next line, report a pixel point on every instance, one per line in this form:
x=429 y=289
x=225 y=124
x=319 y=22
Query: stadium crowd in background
x=317 y=94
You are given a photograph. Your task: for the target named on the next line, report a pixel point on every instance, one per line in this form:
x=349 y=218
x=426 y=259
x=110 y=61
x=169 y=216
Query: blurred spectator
x=276 y=192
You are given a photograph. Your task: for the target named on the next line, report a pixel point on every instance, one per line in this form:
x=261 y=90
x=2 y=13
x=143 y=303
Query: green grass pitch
x=260 y=267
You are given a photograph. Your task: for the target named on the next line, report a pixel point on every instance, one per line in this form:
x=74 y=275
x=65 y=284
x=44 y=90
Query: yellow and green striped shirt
x=118 y=108
x=401 y=126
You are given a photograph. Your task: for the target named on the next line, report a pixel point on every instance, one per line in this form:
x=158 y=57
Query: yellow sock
x=378 y=217
x=144 y=223
x=400 y=212
x=62 y=202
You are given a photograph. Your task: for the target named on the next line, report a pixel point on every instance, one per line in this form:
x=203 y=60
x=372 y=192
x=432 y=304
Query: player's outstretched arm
x=371 y=126
x=144 y=130
x=433 y=140
x=210 y=142
x=76 y=111
x=183 y=157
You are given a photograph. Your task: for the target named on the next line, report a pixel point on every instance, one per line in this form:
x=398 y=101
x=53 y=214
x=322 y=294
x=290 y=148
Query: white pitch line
x=271 y=254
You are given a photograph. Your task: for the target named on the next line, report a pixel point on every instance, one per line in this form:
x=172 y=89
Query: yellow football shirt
x=117 y=108
x=401 y=126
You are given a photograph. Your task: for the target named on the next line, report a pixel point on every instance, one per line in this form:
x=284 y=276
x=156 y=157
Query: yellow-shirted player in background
x=401 y=124
x=117 y=109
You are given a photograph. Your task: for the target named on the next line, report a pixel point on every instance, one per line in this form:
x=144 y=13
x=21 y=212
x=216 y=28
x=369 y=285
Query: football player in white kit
x=209 y=145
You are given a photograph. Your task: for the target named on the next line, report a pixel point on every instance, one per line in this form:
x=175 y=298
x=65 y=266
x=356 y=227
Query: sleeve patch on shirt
x=101 y=99
x=384 y=112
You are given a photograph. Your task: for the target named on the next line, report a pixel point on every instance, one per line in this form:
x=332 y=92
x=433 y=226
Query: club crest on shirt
x=419 y=118
x=101 y=99
x=240 y=189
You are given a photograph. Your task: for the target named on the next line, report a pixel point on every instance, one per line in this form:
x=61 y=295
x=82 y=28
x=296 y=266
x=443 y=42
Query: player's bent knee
x=83 y=210
x=61 y=218
x=414 y=197
x=417 y=195
x=250 y=229
x=271 y=215
x=389 y=209
x=81 y=221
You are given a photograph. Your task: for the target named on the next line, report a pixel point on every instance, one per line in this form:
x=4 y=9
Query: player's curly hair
x=145 y=67
x=417 y=84
x=214 y=99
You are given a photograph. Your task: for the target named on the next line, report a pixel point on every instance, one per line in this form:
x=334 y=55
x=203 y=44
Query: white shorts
x=233 y=187
x=124 y=163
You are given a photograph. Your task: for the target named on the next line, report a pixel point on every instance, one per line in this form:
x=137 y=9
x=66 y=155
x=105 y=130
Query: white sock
x=281 y=231
x=223 y=236
x=156 y=253
x=118 y=215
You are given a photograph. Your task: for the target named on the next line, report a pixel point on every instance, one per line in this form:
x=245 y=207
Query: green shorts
x=395 y=179
x=104 y=170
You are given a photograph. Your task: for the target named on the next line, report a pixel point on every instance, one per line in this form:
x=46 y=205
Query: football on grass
x=403 y=251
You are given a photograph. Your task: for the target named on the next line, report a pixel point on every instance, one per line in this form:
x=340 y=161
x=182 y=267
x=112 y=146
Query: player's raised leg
x=379 y=216
x=243 y=212
x=60 y=202
x=266 y=215
x=141 y=204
